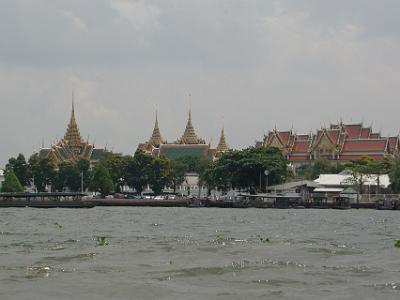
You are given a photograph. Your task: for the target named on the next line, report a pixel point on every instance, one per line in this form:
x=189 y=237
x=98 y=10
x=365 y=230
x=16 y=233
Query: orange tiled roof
x=393 y=143
x=301 y=147
x=365 y=132
x=375 y=135
x=353 y=131
x=361 y=145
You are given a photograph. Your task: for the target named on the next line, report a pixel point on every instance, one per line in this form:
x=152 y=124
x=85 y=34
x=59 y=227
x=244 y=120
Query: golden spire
x=156 y=139
x=222 y=146
x=72 y=136
x=189 y=136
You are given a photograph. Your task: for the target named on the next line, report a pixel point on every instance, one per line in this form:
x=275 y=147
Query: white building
x=1 y=176
x=346 y=180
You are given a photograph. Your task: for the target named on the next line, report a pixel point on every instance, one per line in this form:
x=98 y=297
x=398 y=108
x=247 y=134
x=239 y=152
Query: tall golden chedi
x=72 y=147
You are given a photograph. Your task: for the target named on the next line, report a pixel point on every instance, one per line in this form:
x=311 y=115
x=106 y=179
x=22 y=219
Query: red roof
x=365 y=132
x=333 y=134
x=375 y=135
x=303 y=137
x=353 y=131
x=362 y=145
x=301 y=147
x=393 y=143
x=284 y=136
x=299 y=157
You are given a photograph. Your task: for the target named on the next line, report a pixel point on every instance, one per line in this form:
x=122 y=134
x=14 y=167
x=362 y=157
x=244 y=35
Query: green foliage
x=43 y=172
x=136 y=171
x=20 y=168
x=83 y=166
x=245 y=169
x=178 y=173
x=321 y=165
x=159 y=174
x=102 y=181
x=116 y=165
x=394 y=175
x=68 y=176
x=11 y=183
x=360 y=170
x=397 y=244
x=102 y=241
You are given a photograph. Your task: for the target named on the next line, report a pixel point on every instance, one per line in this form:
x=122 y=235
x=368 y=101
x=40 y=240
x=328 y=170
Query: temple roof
x=156 y=139
x=222 y=146
x=72 y=136
x=190 y=136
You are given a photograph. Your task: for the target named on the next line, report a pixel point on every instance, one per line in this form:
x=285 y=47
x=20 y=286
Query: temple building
x=72 y=147
x=189 y=144
x=339 y=142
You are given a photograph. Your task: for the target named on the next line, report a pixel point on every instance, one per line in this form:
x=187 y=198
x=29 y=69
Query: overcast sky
x=249 y=65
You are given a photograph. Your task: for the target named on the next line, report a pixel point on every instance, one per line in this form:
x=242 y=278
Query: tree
x=68 y=176
x=116 y=165
x=11 y=183
x=321 y=165
x=43 y=172
x=102 y=181
x=20 y=168
x=379 y=167
x=360 y=171
x=83 y=166
x=245 y=169
x=136 y=171
x=178 y=173
x=159 y=174
x=394 y=175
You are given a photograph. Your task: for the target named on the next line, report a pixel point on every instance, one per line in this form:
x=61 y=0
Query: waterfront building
x=189 y=144
x=339 y=142
x=72 y=147
x=1 y=177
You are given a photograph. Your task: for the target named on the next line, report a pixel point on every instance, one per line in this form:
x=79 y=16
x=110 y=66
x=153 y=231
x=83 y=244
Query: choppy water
x=184 y=253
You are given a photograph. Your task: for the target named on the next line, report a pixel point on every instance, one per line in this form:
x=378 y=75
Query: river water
x=198 y=253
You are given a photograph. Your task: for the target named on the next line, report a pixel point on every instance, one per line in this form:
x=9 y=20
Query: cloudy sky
x=249 y=65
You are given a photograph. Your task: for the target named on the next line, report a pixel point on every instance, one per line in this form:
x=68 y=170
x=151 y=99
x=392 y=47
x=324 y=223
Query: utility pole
x=81 y=182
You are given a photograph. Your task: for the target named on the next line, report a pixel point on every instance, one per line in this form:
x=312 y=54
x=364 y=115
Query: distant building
x=339 y=142
x=72 y=147
x=1 y=177
x=189 y=144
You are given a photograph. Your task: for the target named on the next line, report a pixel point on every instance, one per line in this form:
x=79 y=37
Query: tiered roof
x=156 y=139
x=190 y=136
x=72 y=136
x=339 y=141
x=222 y=145
x=72 y=147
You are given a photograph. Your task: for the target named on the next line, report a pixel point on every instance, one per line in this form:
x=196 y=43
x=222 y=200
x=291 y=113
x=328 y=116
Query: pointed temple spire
x=189 y=136
x=72 y=135
x=156 y=139
x=222 y=146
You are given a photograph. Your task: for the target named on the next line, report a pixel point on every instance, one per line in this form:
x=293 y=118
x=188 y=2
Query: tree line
x=243 y=170
x=236 y=169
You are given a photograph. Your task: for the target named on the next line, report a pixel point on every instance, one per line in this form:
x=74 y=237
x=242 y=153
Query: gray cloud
x=248 y=64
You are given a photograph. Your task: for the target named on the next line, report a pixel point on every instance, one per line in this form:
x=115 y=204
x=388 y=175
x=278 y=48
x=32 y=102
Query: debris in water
x=102 y=241
x=397 y=244
x=58 y=225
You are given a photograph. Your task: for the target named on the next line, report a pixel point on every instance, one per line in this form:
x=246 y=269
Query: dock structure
x=46 y=200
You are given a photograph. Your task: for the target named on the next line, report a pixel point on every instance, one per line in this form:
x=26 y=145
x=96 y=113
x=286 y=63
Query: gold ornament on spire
x=156 y=139
x=72 y=136
x=222 y=146
x=190 y=136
